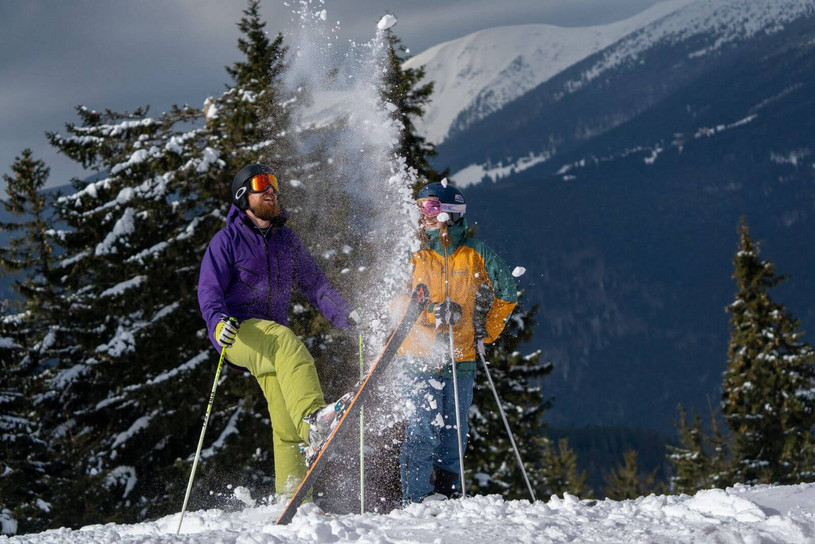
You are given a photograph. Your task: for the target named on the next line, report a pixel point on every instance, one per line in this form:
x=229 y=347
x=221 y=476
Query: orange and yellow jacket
x=466 y=263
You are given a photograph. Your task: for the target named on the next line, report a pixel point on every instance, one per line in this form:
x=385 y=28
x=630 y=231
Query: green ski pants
x=286 y=373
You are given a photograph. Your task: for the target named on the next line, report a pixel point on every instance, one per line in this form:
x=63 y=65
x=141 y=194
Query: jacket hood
x=457 y=232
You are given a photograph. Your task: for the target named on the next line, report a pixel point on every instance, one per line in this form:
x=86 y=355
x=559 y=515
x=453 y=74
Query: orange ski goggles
x=261 y=183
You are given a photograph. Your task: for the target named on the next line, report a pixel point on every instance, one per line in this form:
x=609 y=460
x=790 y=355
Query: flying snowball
x=444 y=183
x=519 y=271
x=323 y=15
x=443 y=217
x=386 y=22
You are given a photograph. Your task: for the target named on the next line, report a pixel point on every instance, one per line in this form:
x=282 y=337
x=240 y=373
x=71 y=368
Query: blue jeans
x=431 y=437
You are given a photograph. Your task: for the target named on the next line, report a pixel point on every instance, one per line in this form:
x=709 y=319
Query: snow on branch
x=120 y=288
x=230 y=429
x=124 y=475
x=138 y=425
x=124 y=226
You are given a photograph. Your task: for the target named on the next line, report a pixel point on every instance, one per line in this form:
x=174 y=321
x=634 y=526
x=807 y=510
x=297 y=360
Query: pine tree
x=32 y=252
x=490 y=459
x=767 y=397
x=625 y=481
x=129 y=399
x=26 y=345
x=689 y=459
x=561 y=473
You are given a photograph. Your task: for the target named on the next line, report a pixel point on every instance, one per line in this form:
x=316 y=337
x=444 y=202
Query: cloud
x=123 y=55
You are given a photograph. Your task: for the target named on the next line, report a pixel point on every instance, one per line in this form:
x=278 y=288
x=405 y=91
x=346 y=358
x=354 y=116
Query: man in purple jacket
x=248 y=272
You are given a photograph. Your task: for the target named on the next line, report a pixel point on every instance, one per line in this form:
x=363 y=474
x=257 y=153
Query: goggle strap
x=453 y=208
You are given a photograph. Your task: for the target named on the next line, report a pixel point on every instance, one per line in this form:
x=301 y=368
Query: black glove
x=448 y=312
x=482 y=304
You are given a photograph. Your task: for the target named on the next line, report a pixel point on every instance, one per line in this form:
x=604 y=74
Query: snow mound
x=739 y=514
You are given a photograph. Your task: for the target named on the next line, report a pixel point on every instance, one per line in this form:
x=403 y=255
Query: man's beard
x=265 y=210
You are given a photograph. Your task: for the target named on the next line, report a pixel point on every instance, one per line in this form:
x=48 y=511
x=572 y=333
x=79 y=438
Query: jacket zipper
x=446 y=294
x=268 y=276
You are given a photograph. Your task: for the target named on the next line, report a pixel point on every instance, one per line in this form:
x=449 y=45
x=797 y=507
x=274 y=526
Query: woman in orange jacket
x=473 y=293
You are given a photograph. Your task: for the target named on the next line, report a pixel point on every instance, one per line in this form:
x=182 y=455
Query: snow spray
x=341 y=98
x=344 y=95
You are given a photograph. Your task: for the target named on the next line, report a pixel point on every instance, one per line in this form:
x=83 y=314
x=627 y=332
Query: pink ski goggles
x=431 y=207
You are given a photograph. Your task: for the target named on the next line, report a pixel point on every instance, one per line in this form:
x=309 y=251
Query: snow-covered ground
x=752 y=515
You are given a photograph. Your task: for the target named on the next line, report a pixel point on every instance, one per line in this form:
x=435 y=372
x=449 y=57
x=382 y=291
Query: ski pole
x=444 y=236
x=203 y=431
x=458 y=416
x=503 y=416
x=361 y=434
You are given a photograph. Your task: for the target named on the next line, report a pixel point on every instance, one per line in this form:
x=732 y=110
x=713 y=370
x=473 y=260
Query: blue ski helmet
x=240 y=183
x=450 y=197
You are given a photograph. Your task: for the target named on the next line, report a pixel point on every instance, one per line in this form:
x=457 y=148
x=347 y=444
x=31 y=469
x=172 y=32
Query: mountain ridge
x=479 y=73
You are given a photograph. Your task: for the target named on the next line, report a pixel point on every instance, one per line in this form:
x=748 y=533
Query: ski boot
x=320 y=424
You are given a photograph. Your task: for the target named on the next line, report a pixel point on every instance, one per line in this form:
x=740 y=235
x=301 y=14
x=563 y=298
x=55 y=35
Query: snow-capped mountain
x=478 y=74
x=696 y=35
x=619 y=183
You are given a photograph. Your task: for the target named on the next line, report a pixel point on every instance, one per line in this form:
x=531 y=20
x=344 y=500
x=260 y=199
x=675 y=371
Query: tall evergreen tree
x=32 y=252
x=26 y=345
x=768 y=395
x=130 y=398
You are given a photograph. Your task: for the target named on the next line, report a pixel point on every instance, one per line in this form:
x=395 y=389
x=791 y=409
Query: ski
x=418 y=302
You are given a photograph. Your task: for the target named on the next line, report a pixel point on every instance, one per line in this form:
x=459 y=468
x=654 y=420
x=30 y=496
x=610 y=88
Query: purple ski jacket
x=245 y=275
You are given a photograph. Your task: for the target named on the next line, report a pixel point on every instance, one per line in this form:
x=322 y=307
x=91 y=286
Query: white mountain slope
x=718 y=22
x=478 y=74
x=725 y=20
x=739 y=514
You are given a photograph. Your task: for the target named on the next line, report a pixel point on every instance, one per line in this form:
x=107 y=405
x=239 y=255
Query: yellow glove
x=226 y=331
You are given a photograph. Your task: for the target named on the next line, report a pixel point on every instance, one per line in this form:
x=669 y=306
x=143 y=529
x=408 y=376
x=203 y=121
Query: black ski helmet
x=451 y=198
x=240 y=183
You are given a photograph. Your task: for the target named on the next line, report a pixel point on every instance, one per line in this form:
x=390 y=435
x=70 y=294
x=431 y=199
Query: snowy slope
x=741 y=514
x=478 y=74
x=726 y=21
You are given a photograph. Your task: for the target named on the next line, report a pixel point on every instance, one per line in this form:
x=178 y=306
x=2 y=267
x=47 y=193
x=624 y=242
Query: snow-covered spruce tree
x=768 y=396
x=689 y=459
x=701 y=460
x=32 y=252
x=26 y=344
x=134 y=400
x=490 y=460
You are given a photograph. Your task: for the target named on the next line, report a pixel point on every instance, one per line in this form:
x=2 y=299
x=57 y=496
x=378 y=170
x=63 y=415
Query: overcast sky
x=116 y=54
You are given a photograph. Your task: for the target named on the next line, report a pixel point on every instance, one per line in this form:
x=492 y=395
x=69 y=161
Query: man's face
x=264 y=205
